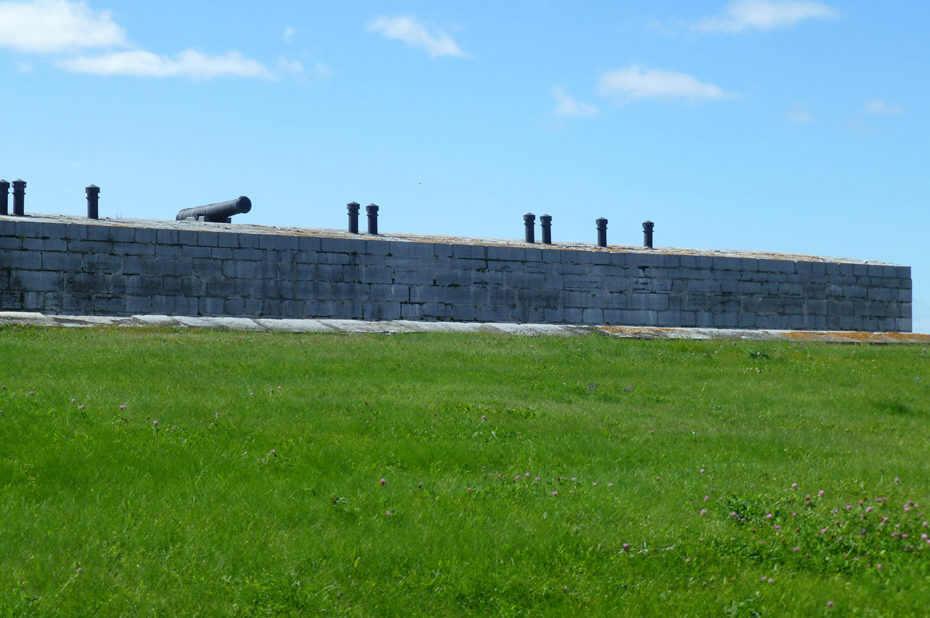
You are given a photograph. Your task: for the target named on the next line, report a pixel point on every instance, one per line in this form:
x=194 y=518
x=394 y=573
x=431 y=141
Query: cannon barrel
x=217 y=213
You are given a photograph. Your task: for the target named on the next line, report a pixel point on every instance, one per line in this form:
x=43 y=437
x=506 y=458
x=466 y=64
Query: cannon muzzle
x=217 y=213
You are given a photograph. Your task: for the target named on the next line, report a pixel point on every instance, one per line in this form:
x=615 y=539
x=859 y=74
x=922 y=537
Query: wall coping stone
x=186 y=231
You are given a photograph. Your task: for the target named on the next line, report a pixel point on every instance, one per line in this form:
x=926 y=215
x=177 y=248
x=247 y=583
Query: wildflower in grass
x=794 y=485
x=702 y=470
x=797 y=549
x=383 y=481
x=878 y=566
x=703 y=511
x=122 y=407
x=484 y=417
x=829 y=603
x=768 y=516
x=81 y=407
x=468 y=490
x=251 y=394
x=897 y=480
x=155 y=423
x=555 y=493
x=279 y=388
x=820 y=493
x=273 y=453
x=388 y=513
x=610 y=484
x=771 y=580
x=626 y=547
x=594 y=484
x=706 y=498
x=79 y=570
x=537 y=479
x=73 y=400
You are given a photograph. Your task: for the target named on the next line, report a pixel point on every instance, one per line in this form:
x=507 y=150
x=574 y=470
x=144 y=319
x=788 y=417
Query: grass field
x=163 y=472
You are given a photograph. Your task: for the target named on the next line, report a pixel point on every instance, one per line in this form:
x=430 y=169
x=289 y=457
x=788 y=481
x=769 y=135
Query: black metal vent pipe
x=93 y=195
x=601 y=232
x=19 y=197
x=372 y=210
x=353 y=217
x=647 y=233
x=4 y=197
x=545 y=222
x=529 y=223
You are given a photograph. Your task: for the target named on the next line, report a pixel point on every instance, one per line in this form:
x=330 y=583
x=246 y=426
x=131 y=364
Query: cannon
x=217 y=213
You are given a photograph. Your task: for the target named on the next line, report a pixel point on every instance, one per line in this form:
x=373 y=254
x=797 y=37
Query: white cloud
x=567 y=106
x=188 y=63
x=764 y=15
x=49 y=26
x=800 y=116
x=290 y=66
x=634 y=83
x=877 y=107
x=289 y=34
x=410 y=31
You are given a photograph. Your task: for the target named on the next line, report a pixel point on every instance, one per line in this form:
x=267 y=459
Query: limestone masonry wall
x=126 y=268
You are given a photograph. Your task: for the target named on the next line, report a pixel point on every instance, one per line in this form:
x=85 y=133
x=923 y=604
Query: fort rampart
x=71 y=265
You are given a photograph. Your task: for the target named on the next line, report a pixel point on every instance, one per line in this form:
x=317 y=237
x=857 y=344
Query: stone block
x=188 y=237
x=411 y=311
x=167 y=237
x=59 y=261
x=138 y=304
x=342 y=245
x=196 y=251
x=210 y=306
x=276 y=242
x=593 y=315
x=506 y=254
x=248 y=241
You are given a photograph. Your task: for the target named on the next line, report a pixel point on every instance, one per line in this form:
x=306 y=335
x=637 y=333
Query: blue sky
x=794 y=126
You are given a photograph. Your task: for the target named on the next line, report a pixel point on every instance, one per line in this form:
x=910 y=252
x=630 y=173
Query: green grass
x=537 y=476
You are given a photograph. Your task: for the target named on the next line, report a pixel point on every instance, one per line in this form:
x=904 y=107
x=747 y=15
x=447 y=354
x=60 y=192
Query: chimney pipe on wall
x=372 y=210
x=529 y=221
x=93 y=194
x=4 y=197
x=545 y=222
x=19 y=197
x=353 y=217
x=647 y=234
x=601 y=232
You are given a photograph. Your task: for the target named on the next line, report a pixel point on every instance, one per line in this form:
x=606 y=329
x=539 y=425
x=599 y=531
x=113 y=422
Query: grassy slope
x=249 y=499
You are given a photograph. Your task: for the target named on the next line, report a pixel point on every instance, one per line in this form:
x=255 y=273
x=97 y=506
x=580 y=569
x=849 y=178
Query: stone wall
x=75 y=266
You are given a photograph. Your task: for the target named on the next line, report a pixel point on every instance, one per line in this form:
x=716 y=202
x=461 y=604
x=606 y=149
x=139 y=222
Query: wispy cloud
x=289 y=34
x=566 y=106
x=52 y=26
x=188 y=63
x=409 y=30
x=290 y=66
x=634 y=83
x=764 y=15
x=800 y=116
x=877 y=107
